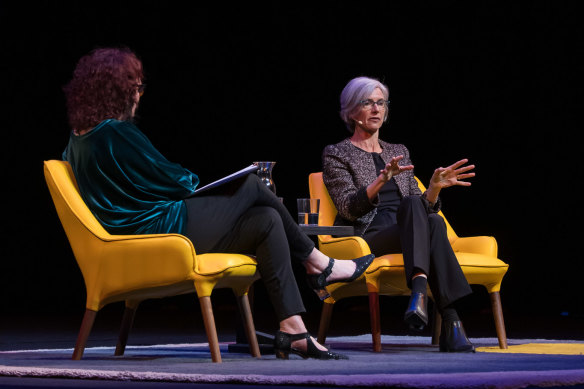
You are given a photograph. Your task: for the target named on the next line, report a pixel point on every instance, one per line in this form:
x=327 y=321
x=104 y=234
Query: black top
x=389 y=200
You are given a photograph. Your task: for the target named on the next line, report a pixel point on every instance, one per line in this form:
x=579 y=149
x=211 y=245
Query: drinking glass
x=308 y=211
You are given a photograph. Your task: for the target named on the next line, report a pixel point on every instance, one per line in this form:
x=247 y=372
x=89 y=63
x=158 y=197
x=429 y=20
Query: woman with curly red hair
x=103 y=86
x=132 y=189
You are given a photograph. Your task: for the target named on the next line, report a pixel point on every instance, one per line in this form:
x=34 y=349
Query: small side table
x=327 y=230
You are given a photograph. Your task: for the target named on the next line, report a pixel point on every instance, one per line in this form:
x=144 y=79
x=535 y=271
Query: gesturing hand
x=445 y=177
x=393 y=169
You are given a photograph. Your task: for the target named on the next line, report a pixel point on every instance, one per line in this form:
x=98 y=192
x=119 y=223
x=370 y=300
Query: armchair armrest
x=127 y=263
x=347 y=247
x=485 y=245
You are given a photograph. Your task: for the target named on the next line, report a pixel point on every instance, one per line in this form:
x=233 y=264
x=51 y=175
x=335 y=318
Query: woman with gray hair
x=372 y=184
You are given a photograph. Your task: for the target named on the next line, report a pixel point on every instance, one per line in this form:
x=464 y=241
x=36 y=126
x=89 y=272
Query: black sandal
x=283 y=347
x=318 y=282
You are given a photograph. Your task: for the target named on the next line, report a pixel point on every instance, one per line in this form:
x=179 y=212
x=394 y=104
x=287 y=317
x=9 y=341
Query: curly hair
x=103 y=87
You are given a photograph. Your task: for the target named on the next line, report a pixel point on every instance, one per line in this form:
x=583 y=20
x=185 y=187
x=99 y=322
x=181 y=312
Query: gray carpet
x=404 y=362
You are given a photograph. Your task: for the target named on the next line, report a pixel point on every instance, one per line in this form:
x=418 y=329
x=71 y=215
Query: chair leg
x=498 y=316
x=325 y=322
x=375 y=321
x=240 y=335
x=437 y=327
x=86 y=325
x=209 y=320
x=127 y=322
x=248 y=326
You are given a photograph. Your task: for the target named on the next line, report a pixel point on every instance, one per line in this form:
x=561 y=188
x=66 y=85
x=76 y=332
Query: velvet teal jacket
x=127 y=184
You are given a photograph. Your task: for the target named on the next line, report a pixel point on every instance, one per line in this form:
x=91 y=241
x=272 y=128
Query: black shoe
x=453 y=338
x=318 y=282
x=417 y=313
x=283 y=347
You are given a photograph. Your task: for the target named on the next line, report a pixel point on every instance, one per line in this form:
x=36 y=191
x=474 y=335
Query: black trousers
x=423 y=240
x=245 y=217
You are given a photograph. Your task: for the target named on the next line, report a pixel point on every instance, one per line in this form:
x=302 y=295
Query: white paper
x=251 y=168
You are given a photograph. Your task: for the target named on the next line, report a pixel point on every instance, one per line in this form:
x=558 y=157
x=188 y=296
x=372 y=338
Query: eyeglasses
x=368 y=104
x=141 y=88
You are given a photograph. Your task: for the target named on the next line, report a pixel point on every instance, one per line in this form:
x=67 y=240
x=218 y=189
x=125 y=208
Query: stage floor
x=168 y=346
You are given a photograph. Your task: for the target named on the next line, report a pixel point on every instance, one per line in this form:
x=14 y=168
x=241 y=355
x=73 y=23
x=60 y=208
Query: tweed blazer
x=348 y=170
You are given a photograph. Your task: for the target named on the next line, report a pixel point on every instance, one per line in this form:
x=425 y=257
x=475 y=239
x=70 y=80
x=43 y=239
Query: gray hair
x=358 y=89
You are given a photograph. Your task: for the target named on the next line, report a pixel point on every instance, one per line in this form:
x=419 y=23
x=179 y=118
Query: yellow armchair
x=477 y=257
x=133 y=268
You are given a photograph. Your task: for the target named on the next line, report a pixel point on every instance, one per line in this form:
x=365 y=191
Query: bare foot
x=341 y=268
x=302 y=345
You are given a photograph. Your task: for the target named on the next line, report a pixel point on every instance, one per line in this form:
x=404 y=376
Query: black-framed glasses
x=141 y=88
x=368 y=104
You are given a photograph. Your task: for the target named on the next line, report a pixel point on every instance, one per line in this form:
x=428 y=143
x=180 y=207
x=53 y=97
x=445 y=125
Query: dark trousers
x=245 y=217
x=423 y=240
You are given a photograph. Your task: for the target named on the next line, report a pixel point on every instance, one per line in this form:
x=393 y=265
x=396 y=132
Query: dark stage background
x=498 y=83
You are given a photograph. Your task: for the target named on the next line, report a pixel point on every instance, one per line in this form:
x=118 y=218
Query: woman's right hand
x=391 y=169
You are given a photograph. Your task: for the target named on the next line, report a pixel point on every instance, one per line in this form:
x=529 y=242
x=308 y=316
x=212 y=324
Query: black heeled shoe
x=417 y=313
x=283 y=347
x=318 y=282
x=453 y=338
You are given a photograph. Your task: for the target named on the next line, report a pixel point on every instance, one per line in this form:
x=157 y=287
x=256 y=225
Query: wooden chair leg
x=437 y=327
x=127 y=322
x=375 y=321
x=86 y=325
x=240 y=335
x=209 y=320
x=325 y=322
x=248 y=326
x=498 y=316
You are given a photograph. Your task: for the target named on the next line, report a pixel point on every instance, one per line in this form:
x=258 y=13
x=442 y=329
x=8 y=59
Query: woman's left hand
x=445 y=177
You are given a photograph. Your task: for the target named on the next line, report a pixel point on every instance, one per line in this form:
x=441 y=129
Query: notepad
x=240 y=173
